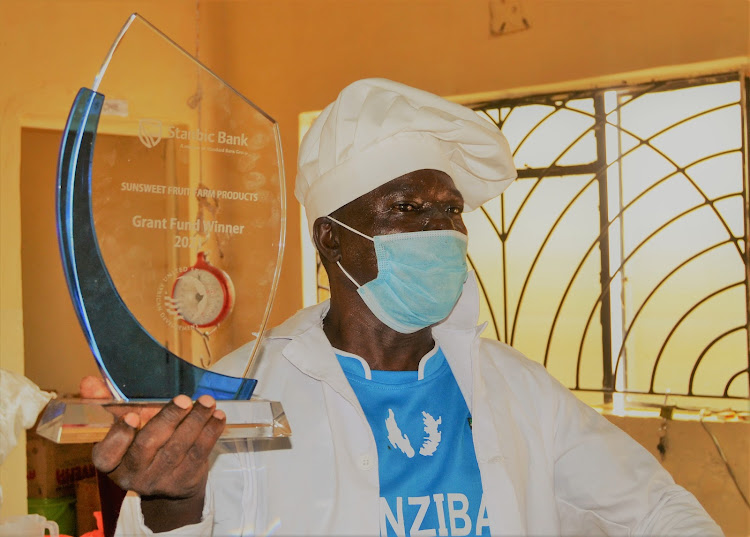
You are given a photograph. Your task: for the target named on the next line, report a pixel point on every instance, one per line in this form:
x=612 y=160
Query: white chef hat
x=378 y=130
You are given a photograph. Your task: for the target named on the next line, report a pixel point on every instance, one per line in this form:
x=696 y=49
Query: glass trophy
x=171 y=222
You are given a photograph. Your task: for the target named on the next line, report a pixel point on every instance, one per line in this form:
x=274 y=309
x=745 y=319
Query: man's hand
x=165 y=461
x=94 y=388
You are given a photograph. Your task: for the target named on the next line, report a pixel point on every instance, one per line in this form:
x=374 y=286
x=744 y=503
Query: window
x=618 y=257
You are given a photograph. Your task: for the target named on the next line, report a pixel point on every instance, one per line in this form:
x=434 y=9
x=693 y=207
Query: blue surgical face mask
x=420 y=277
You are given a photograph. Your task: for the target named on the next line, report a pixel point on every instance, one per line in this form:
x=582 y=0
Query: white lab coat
x=550 y=465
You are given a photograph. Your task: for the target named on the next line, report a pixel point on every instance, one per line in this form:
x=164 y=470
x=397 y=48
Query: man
x=405 y=421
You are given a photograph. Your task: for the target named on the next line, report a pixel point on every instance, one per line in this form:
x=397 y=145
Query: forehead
x=424 y=184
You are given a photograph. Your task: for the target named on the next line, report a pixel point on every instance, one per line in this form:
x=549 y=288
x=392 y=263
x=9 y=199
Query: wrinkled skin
x=164 y=458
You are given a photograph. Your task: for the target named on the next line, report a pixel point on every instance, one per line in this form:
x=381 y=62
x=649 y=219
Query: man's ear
x=326 y=239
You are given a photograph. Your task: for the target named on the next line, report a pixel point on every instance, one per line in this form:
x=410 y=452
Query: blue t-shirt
x=429 y=477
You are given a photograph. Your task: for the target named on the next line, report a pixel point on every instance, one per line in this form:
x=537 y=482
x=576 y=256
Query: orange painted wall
x=291 y=56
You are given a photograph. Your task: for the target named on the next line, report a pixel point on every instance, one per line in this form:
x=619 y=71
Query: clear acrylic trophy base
x=80 y=421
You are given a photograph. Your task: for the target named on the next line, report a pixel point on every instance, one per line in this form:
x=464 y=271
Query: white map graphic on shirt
x=432 y=440
x=396 y=437
x=401 y=441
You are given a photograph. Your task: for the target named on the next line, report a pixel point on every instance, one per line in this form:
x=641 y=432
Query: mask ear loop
x=351 y=229
x=338 y=263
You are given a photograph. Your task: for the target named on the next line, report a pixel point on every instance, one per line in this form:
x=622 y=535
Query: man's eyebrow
x=453 y=195
x=400 y=193
x=457 y=195
x=413 y=191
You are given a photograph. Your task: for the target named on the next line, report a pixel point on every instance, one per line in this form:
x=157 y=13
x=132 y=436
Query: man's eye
x=455 y=210
x=405 y=207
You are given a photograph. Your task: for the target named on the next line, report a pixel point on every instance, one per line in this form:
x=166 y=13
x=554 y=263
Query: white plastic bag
x=21 y=401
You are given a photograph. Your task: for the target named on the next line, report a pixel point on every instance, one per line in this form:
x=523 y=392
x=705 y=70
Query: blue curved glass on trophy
x=171 y=220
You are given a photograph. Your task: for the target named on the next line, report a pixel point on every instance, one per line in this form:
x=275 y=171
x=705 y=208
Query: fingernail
x=207 y=401
x=182 y=401
x=132 y=419
x=219 y=414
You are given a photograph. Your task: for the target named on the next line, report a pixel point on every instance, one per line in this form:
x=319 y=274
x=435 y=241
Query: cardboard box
x=53 y=469
x=87 y=502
